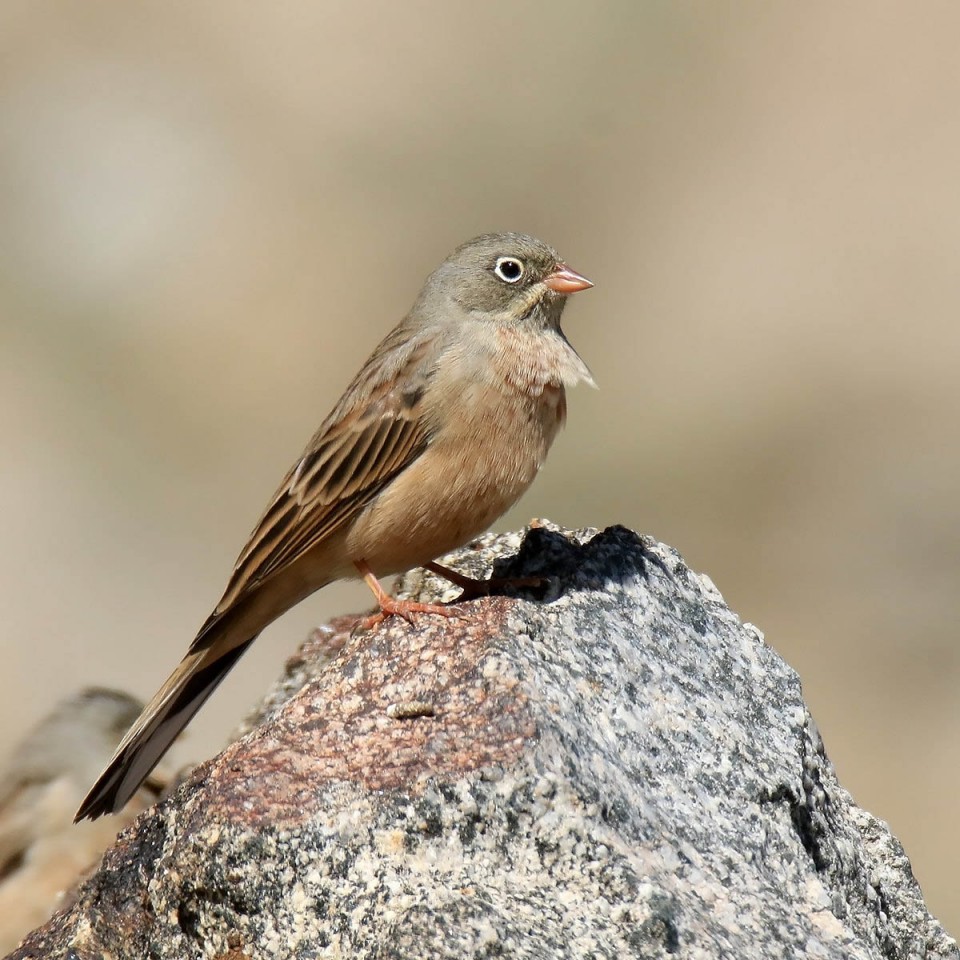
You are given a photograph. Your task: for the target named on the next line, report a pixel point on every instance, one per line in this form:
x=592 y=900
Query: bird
x=42 y=854
x=444 y=427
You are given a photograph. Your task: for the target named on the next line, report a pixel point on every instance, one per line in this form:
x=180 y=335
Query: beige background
x=209 y=213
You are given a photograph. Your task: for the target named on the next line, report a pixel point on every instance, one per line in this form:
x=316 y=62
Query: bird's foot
x=473 y=588
x=390 y=607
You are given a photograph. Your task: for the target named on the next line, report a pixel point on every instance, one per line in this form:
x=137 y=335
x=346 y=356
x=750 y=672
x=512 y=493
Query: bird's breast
x=491 y=435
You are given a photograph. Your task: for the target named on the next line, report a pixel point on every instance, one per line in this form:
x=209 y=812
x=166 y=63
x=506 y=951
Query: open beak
x=565 y=280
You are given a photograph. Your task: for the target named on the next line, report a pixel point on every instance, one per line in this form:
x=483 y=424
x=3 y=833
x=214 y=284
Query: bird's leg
x=473 y=588
x=390 y=607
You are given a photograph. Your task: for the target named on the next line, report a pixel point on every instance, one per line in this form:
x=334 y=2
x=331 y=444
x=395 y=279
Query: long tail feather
x=186 y=690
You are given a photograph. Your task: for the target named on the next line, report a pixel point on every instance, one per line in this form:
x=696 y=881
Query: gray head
x=509 y=278
x=76 y=738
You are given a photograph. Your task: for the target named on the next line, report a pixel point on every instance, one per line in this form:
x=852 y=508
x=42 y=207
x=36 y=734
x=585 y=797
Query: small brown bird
x=440 y=432
x=42 y=853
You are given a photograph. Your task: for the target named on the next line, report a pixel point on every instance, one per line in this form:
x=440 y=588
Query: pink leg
x=391 y=607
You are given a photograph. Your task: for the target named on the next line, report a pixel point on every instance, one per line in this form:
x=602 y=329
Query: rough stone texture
x=615 y=768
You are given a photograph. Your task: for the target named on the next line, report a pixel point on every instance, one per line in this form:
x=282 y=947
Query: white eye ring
x=509 y=269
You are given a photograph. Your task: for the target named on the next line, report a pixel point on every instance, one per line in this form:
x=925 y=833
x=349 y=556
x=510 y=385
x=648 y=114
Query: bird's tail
x=161 y=721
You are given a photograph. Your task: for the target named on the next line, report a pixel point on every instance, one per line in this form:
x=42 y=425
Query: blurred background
x=210 y=213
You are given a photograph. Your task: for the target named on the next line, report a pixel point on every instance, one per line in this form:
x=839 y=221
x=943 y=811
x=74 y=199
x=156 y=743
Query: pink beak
x=565 y=280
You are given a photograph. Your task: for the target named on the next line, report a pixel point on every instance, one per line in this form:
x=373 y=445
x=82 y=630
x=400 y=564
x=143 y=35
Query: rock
x=616 y=767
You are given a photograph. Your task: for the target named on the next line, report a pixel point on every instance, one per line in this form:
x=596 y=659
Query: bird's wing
x=17 y=823
x=377 y=430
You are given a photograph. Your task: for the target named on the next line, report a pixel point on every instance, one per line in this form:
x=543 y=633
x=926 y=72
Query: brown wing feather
x=378 y=429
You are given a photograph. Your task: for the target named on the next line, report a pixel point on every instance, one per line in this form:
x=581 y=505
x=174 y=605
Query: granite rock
x=609 y=766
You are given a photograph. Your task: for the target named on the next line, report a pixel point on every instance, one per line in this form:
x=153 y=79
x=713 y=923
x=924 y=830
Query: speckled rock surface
x=612 y=766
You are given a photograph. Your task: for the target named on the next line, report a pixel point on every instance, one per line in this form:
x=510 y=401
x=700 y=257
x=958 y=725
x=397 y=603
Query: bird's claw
x=389 y=607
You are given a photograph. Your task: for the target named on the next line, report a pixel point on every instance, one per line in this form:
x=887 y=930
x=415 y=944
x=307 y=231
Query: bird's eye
x=508 y=269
